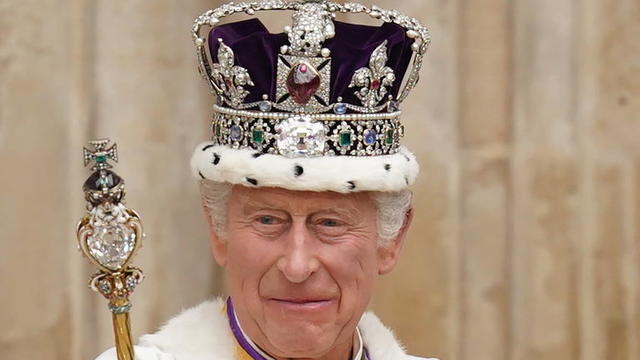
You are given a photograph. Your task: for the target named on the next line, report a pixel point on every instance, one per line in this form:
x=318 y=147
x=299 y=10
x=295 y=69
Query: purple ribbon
x=237 y=333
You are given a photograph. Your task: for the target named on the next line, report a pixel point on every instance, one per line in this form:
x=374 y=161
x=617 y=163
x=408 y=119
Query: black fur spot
x=257 y=155
x=252 y=181
x=406 y=157
x=216 y=159
x=202 y=176
x=406 y=179
x=298 y=170
x=387 y=167
x=352 y=185
x=207 y=147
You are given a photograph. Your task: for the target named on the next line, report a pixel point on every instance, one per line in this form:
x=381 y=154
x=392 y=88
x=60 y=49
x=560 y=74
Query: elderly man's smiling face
x=301 y=267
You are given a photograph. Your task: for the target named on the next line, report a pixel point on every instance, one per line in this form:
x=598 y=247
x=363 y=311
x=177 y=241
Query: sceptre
x=109 y=236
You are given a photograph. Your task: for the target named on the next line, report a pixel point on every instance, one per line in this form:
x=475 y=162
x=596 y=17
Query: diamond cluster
x=312 y=25
x=375 y=79
x=228 y=78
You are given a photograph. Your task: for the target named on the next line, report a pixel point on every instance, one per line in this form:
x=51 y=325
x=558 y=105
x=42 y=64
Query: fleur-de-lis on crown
x=375 y=79
x=229 y=78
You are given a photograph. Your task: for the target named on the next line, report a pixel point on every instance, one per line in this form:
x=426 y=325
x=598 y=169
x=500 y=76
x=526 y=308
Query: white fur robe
x=203 y=331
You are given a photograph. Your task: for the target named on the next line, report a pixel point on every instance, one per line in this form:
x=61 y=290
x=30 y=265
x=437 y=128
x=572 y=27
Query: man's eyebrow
x=252 y=206
x=255 y=205
x=348 y=212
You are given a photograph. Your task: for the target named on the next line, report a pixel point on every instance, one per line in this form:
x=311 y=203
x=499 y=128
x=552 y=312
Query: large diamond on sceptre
x=109 y=236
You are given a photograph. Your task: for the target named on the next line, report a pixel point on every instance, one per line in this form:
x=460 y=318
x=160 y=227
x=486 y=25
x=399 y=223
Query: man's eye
x=269 y=225
x=267 y=220
x=329 y=222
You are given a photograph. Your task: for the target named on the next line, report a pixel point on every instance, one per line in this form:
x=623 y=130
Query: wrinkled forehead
x=246 y=199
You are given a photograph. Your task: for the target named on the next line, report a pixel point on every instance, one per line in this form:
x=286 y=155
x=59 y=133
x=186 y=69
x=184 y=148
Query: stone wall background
x=526 y=120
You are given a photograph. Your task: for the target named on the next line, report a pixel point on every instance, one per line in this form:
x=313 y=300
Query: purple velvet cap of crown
x=256 y=49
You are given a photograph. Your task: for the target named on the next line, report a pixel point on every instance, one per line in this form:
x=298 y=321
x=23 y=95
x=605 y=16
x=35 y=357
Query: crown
x=321 y=88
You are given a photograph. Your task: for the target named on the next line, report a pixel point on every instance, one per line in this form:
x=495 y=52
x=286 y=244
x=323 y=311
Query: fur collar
x=197 y=333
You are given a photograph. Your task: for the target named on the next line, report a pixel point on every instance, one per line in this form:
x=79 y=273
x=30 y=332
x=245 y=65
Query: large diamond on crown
x=300 y=136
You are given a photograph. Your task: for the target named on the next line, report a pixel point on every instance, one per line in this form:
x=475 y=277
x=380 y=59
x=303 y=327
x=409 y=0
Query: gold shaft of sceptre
x=122 y=331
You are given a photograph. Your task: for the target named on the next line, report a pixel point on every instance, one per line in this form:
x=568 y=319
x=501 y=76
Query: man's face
x=300 y=266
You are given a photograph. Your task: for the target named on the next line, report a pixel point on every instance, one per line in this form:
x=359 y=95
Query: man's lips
x=302 y=304
x=301 y=300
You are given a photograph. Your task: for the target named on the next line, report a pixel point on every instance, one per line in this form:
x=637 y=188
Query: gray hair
x=392 y=208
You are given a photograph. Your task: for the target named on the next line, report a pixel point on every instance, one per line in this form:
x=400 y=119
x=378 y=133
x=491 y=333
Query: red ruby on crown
x=303 y=82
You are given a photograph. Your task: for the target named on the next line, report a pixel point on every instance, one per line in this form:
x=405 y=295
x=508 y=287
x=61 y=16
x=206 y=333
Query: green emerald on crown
x=389 y=137
x=345 y=138
x=257 y=136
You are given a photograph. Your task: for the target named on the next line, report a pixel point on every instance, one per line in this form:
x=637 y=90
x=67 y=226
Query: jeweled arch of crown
x=300 y=120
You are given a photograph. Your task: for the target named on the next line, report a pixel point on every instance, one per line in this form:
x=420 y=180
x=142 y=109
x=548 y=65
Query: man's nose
x=299 y=260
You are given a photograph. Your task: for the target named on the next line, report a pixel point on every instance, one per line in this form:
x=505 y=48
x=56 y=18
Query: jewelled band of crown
x=302 y=136
x=110 y=234
x=320 y=31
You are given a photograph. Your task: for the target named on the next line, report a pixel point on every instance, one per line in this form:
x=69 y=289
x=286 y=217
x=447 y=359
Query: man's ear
x=218 y=245
x=388 y=254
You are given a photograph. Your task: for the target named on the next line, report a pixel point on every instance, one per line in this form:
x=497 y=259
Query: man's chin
x=301 y=329
x=288 y=345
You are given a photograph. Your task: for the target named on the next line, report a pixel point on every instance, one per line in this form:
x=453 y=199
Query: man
x=305 y=185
